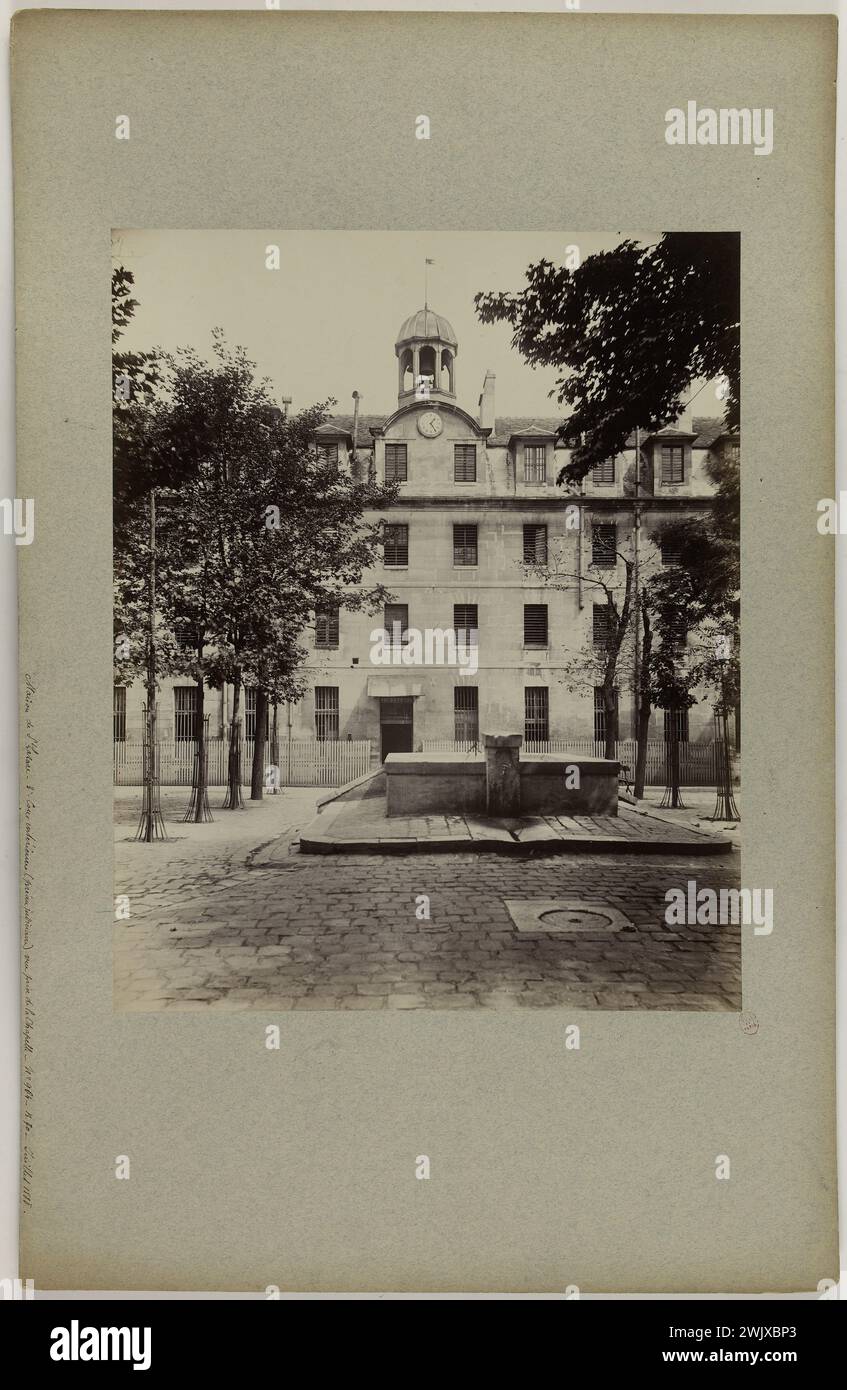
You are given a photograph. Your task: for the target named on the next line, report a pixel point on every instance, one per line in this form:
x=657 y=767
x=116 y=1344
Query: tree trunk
x=233 y=800
x=609 y=710
x=257 y=777
x=642 y=729
x=673 y=759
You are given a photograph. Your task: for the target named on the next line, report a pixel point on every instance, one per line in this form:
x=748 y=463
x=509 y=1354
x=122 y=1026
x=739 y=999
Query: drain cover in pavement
x=564 y=915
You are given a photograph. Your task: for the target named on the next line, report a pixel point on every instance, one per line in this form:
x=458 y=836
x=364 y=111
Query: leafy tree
x=630 y=329
x=261 y=530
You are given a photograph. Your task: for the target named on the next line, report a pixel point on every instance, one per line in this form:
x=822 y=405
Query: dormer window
x=535 y=463
x=673 y=463
x=328 y=451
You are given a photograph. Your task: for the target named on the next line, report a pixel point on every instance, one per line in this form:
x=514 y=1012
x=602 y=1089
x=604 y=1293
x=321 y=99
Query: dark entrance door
x=395 y=725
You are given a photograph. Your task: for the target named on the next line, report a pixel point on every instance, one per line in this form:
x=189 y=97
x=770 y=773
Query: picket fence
x=698 y=762
x=302 y=763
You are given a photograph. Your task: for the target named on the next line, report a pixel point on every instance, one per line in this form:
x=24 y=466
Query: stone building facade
x=478 y=504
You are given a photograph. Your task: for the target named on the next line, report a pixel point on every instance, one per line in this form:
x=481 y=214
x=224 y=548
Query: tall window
x=600 y=716
x=676 y=716
x=535 y=463
x=395 y=545
x=536 y=714
x=326 y=713
x=602 y=624
x=604 y=472
x=250 y=714
x=673 y=463
x=466 y=623
x=185 y=712
x=535 y=544
x=535 y=624
x=396 y=463
x=396 y=622
x=466 y=713
x=464 y=463
x=604 y=544
x=326 y=626
x=676 y=634
x=328 y=452
x=465 y=550
x=119 y=710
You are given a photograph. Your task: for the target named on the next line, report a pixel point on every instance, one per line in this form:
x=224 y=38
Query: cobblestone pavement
x=208 y=931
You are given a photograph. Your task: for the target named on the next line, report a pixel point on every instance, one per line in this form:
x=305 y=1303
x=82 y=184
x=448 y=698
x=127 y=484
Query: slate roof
x=343 y=424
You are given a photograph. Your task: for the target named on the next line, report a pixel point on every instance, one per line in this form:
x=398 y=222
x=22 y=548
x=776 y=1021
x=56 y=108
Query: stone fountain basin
x=454 y=783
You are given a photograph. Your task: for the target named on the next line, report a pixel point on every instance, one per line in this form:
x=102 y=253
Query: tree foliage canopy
x=630 y=329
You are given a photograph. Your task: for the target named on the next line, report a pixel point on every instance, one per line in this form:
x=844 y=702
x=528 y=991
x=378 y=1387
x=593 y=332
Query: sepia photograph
x=427 y=599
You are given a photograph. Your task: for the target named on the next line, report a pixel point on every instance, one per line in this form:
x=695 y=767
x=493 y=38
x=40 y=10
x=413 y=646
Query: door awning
x=392 y=686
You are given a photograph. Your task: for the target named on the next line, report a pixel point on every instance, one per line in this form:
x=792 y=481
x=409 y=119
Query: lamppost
x=725 y=807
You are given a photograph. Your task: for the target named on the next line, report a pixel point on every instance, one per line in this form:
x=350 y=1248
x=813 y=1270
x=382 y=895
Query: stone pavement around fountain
x=355 y=820
x=210 y=931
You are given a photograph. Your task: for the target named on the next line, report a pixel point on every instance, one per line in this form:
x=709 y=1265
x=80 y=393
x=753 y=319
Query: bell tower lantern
x=426 y=350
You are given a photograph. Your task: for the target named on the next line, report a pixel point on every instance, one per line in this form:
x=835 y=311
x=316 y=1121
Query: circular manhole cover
x=577 y=919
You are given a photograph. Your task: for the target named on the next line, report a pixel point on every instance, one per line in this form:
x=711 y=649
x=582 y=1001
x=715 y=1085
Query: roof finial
x=427 y=262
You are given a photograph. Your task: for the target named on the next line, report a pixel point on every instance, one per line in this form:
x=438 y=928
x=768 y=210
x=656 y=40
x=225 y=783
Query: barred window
x=466 y=623
x=465 y=549
x=326 y=713
x=328 y=451
x=600 y=716
x=464 y=463
x=466 y=713
x=535 y=625
x=602 y=621
x=395 y=545
x=535 y=463
x=673 y=463
x=326 y=626
x=676 y=718
x=185 y=713
x=536 y=714
x=119 y=713
x=604 y=544
x=534 y=544
x=396 y=623
x=396 y=463
x=604 y=472
x=250 y=694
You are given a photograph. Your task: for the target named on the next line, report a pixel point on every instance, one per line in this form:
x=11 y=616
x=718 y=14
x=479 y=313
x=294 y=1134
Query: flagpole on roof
x=427 y=264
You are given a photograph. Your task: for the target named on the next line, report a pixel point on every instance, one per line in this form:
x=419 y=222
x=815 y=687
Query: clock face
x=430 y=424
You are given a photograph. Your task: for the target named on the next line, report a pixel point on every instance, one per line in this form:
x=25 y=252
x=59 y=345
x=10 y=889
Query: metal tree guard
x=198 y=806
x=725 y=807
x=234 y=801
x=671 y=798
x=151 y=823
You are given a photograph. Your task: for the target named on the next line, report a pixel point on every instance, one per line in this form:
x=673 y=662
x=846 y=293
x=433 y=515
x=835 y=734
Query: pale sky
x=325 y=323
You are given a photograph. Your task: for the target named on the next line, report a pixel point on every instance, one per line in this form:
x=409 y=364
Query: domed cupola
x=426 y=349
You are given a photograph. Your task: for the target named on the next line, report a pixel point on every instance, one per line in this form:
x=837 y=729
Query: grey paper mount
x=550 y=1168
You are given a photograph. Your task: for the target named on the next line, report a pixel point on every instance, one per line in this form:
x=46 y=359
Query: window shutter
x=396 y=463
x=396 y=545
x=604 y=543
x=535 y=545
x=535 y=625
x=464 y=463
